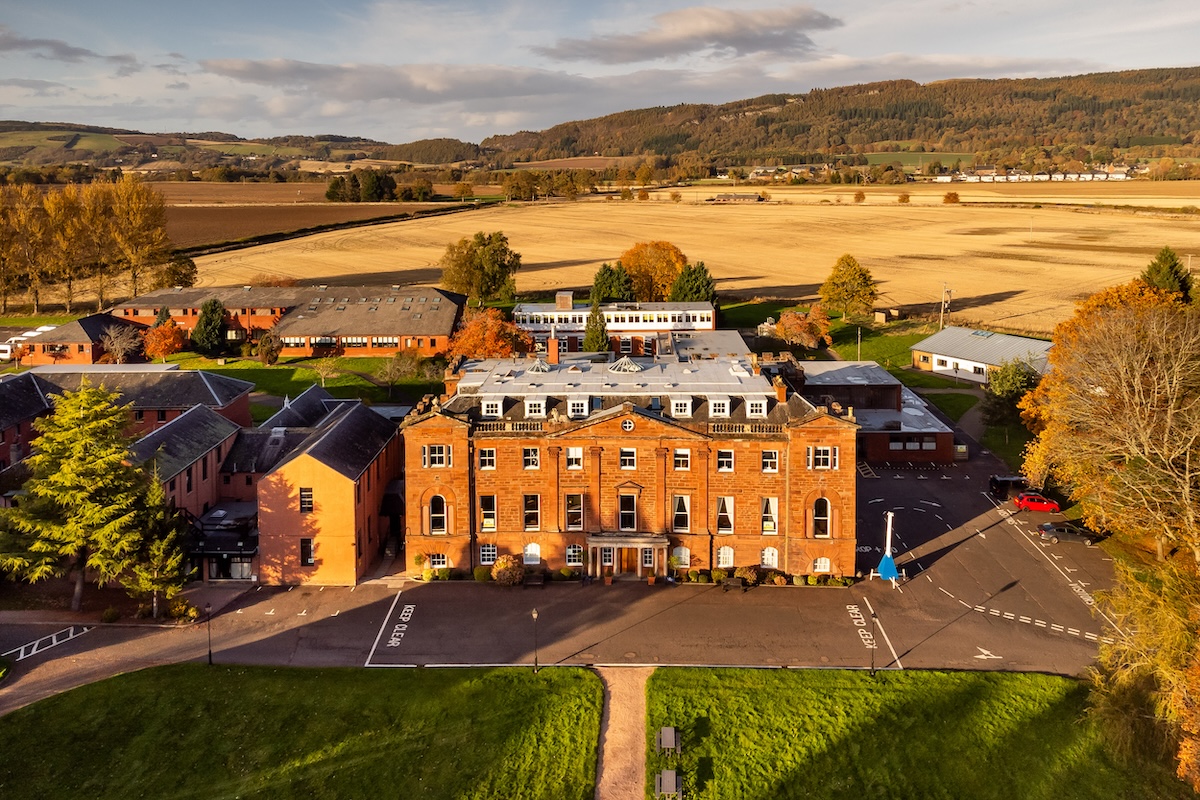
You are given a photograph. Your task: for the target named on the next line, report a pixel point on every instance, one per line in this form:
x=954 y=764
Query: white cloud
x=702 y=29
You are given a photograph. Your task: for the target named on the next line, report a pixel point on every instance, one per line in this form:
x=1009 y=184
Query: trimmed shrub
x=111 y=614
x=719 y=575
x=748 y=573
x=443 y=574
x=508 y=570
x=419 y=560
x=704 y=578
x=180 y=608
x=798 y=580
x=483 y=574
x=950 y=198
x=428 y=575
x=693 y=575
x=779 y=580
x=567 y=574
x=812 y=580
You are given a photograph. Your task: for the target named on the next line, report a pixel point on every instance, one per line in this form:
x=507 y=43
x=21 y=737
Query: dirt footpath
x=621 y=771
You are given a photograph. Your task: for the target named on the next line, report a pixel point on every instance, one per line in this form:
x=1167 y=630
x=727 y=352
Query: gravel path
x=621 y=771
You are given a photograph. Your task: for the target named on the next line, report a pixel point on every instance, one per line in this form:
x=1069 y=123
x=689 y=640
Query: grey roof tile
x=183 y=440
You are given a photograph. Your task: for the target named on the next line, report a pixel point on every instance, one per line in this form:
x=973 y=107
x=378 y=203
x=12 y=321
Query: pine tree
x=694 y=285
x=849 y=288
x=160 y=568
x=81 y=508
x=612 y=285
x=208 y=336
x=163 y=317
x=595 y=337
x=1167 y=272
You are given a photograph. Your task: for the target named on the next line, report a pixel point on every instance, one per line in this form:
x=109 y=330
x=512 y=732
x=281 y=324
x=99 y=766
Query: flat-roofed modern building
x=632 y=327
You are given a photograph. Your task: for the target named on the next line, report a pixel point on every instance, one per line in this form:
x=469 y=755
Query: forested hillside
x=1143 y=109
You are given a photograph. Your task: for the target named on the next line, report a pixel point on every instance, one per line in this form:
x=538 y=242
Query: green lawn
x=838 y=734
x=953 y=405
x=194 y=731
x=748 y=314
x=1007 y=443
x=30 y=322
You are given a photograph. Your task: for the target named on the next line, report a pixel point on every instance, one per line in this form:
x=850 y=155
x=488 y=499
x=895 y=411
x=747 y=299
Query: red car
x=1032 y=501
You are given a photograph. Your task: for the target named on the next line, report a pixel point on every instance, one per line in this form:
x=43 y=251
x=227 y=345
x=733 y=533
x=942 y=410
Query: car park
x=1002 y=487
x=1034 y=501
x=1055 y=532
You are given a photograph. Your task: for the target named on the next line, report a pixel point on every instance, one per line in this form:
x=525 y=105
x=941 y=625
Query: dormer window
x=681 y=407
x=756 y=408
x=535 y=408
x=577 y=407
x=718 y=406
x=491 y=409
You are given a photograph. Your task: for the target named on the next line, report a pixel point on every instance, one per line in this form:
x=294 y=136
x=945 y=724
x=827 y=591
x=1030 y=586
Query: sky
x=402 y=71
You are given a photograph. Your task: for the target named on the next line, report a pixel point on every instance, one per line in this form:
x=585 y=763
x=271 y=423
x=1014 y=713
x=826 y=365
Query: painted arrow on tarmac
x=986 y=654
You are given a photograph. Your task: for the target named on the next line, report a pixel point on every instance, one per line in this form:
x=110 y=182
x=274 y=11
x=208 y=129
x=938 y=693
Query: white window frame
x=725 y=461
x=725 y=557
x=536 y=512
x=628 y=458
x=487 y=458
x=531 y=554
x=531 y=458
x=622 y=512
x=682 y=460
x=443 y=517
x=681 y=505
x=770 y=516
x=681 y=408
x=718 y=408
x=683 y=555
x=573 y=526
x=626 y=345
x=648 y=557
x=607 y=556
x=437 y=456
x=574 y=458
x=574 y=555
x=492 y=409
x=438 y=561
x=577 y=408
x=725 y=508
x=756 y=408
x=770 y=461
x=535 y=408
x=487 y=516
x=487 y=554
x=822 y=457
x=769 y=558
x=822 y=564
x=827 y=518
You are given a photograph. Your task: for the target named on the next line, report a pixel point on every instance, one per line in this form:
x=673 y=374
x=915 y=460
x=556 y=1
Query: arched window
x=725 y=557
x=533 y=553
x=770 y=558
x=683 y=555
x=821 y=518
x=437 y=514
x=821 y=565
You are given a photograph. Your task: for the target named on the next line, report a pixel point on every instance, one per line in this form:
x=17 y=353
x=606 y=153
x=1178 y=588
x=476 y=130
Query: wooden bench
x=535 y=579
x=733 y=583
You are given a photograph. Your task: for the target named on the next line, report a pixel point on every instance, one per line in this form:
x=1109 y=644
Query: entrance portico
x=644 y=554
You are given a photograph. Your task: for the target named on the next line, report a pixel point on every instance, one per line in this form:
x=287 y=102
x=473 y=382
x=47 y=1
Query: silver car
x=1055 y=532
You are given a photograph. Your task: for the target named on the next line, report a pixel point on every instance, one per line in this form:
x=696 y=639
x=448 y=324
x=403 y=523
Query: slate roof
x=349 y=439
x=230 y=297
x=258 y=450
x=23 y=397
x=306 y=410
x=985 y=347
x=85 y=329
x=373 y=311
x=154 y=390
x=183 y=440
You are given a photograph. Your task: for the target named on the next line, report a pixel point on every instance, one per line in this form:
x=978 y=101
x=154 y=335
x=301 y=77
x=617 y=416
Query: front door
x=629 y=556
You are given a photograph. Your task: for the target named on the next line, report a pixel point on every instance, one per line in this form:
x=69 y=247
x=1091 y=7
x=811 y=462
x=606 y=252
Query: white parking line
x=382 y=626
x=886 y=638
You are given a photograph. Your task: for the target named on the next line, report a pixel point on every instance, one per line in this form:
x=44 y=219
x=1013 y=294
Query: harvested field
x=1019 y=267
x=191 y=193
x=194 y=226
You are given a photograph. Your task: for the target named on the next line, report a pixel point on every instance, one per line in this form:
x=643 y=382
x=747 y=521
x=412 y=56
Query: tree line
x=90 y=237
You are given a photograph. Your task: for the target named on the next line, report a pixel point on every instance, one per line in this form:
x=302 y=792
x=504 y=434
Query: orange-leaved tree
x=486 y=334
x=163 y=340
x=653 y=267
x=808 y=330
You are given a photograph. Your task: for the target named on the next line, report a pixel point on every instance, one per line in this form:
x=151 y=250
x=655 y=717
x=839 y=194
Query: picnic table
x=668 y=739
x=667 y=784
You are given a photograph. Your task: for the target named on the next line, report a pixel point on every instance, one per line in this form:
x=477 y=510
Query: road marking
x=1026 y=620
x=334 y=614
x=1058 y=628
x=1009 y=615
x=46 y=642
x=303 y=613
x=1041 y=623
x=980 y=608
x=922 y=510
x=1090 y=636
x=995 y=612
x=876 y=500
x=887 y=639
x=1073 y=631
x=270 y=613
x=986 y=654
x=932 y=503
x=382 y=625
x=939 y=516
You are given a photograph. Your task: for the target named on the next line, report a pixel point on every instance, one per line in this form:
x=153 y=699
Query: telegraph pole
x=946 y=291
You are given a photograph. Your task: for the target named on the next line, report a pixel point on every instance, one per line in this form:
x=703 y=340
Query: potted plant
x=650 y=579
x=675 y=564
x=608 y=576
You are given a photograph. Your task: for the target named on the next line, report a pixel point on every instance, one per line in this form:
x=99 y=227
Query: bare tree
x=121 y=342
x=325 y=368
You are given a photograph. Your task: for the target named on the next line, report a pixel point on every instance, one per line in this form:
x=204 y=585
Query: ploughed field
x=1016 y=257
x=196 y=226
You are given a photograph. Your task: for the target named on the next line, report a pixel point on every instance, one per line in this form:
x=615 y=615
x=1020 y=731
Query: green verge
x=194 y=731
x=953 y=405
x=930 y=735
x=1007 y=442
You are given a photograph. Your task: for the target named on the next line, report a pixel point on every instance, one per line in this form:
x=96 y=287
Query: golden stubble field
x=1018 y=267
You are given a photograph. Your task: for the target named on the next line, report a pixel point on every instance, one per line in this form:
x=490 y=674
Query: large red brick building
x=629 y=468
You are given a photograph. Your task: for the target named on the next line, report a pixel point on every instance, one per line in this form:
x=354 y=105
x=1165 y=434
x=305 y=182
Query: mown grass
x=837 y=734
x=29 y=321
x=953 y=405
x=1007 y=442
x=194 y=731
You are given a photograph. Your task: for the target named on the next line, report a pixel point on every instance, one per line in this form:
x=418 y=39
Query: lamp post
x=208 y=625
x=535 y=647
x=873 y=644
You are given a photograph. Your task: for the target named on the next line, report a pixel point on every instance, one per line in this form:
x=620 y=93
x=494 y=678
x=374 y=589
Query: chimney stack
x=564 y=301
x=780 y=389
x=552 y=350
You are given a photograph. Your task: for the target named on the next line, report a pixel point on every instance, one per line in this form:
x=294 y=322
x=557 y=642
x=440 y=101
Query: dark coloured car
x=1003 y=487
x=1055 y=532
x=1033 y=501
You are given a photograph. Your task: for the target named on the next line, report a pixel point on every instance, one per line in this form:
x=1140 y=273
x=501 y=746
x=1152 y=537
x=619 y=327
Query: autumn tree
x=121 y=341
x=179 y=270
x=98 y=244
x=80 y=513
x=65 y=252
x=208 y=337
x=694 y=285
x=486 y=334
x=139 y=229
x=325 y=368
x=1007 y=384
x=482 y=267
x=1168 y=273
x=849 y=287
x=653 y=267
x=28 y=241
x=595 y=336
x=805 y=329
x=611 y=284
x=163 y=340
